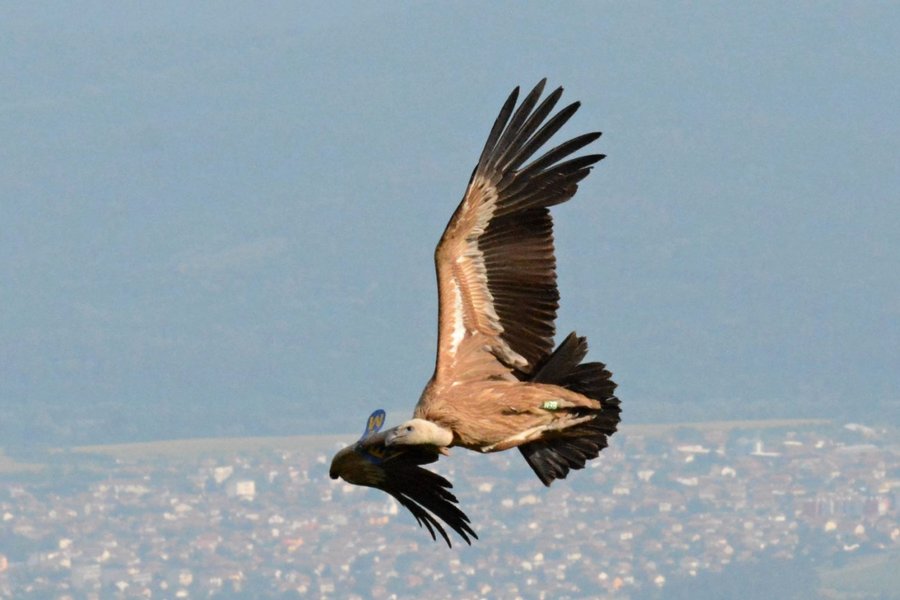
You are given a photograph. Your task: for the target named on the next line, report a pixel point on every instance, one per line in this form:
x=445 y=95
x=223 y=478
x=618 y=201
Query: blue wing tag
x=373 y=425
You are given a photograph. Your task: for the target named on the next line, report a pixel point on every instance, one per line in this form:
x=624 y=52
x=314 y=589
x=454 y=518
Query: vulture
x=498 y=382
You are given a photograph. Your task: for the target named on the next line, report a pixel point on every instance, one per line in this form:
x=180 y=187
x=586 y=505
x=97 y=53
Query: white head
x=419 y=432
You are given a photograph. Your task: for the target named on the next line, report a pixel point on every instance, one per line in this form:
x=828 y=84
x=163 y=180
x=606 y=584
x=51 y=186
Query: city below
x=665 y=512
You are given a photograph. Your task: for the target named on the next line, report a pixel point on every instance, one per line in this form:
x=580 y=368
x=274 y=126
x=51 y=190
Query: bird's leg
x=534 y=433
x=523 y=437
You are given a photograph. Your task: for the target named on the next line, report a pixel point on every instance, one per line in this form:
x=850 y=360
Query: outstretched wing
x=398 y=471
x=495 y=265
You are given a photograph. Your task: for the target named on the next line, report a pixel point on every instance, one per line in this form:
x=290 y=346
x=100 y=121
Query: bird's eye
x=409 y=427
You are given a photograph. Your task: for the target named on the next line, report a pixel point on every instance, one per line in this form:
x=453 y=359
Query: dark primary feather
x=517 y=244
x=499 y=124
x=508 y=161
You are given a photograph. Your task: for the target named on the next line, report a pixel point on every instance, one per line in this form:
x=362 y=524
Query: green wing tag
x=548 y=405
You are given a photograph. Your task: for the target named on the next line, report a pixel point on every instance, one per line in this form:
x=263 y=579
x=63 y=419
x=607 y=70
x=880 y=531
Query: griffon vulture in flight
x=498 y=383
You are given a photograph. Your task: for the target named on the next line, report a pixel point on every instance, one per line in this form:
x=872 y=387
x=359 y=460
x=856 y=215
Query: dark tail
x=552 y=457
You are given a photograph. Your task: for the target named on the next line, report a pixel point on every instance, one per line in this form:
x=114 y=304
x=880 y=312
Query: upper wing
x=495 y=265
x=397 y=471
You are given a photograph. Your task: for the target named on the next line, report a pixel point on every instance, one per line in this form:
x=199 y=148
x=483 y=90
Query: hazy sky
x=234 y=205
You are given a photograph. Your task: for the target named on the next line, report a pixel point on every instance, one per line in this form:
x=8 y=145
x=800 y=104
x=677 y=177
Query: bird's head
x=419 y=432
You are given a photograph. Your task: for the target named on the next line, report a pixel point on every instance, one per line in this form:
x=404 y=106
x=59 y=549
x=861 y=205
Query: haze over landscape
x=218 y=222
x=219 y=219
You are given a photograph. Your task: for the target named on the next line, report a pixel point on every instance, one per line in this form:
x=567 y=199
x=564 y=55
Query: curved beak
x=339 y=462
x=390 y=437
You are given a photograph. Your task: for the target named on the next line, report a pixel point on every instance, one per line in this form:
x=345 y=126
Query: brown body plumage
x=499 y=415
x=498 y=383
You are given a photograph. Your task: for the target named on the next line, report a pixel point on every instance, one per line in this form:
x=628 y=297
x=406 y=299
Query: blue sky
x=233 y=206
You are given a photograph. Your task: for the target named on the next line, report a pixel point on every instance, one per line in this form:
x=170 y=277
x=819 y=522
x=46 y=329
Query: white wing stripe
x=459 y=327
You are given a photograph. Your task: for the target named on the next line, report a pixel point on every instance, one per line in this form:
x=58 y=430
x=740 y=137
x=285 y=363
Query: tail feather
x=554 y=456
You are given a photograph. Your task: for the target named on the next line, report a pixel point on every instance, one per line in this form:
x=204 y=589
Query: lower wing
x=398 y=471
